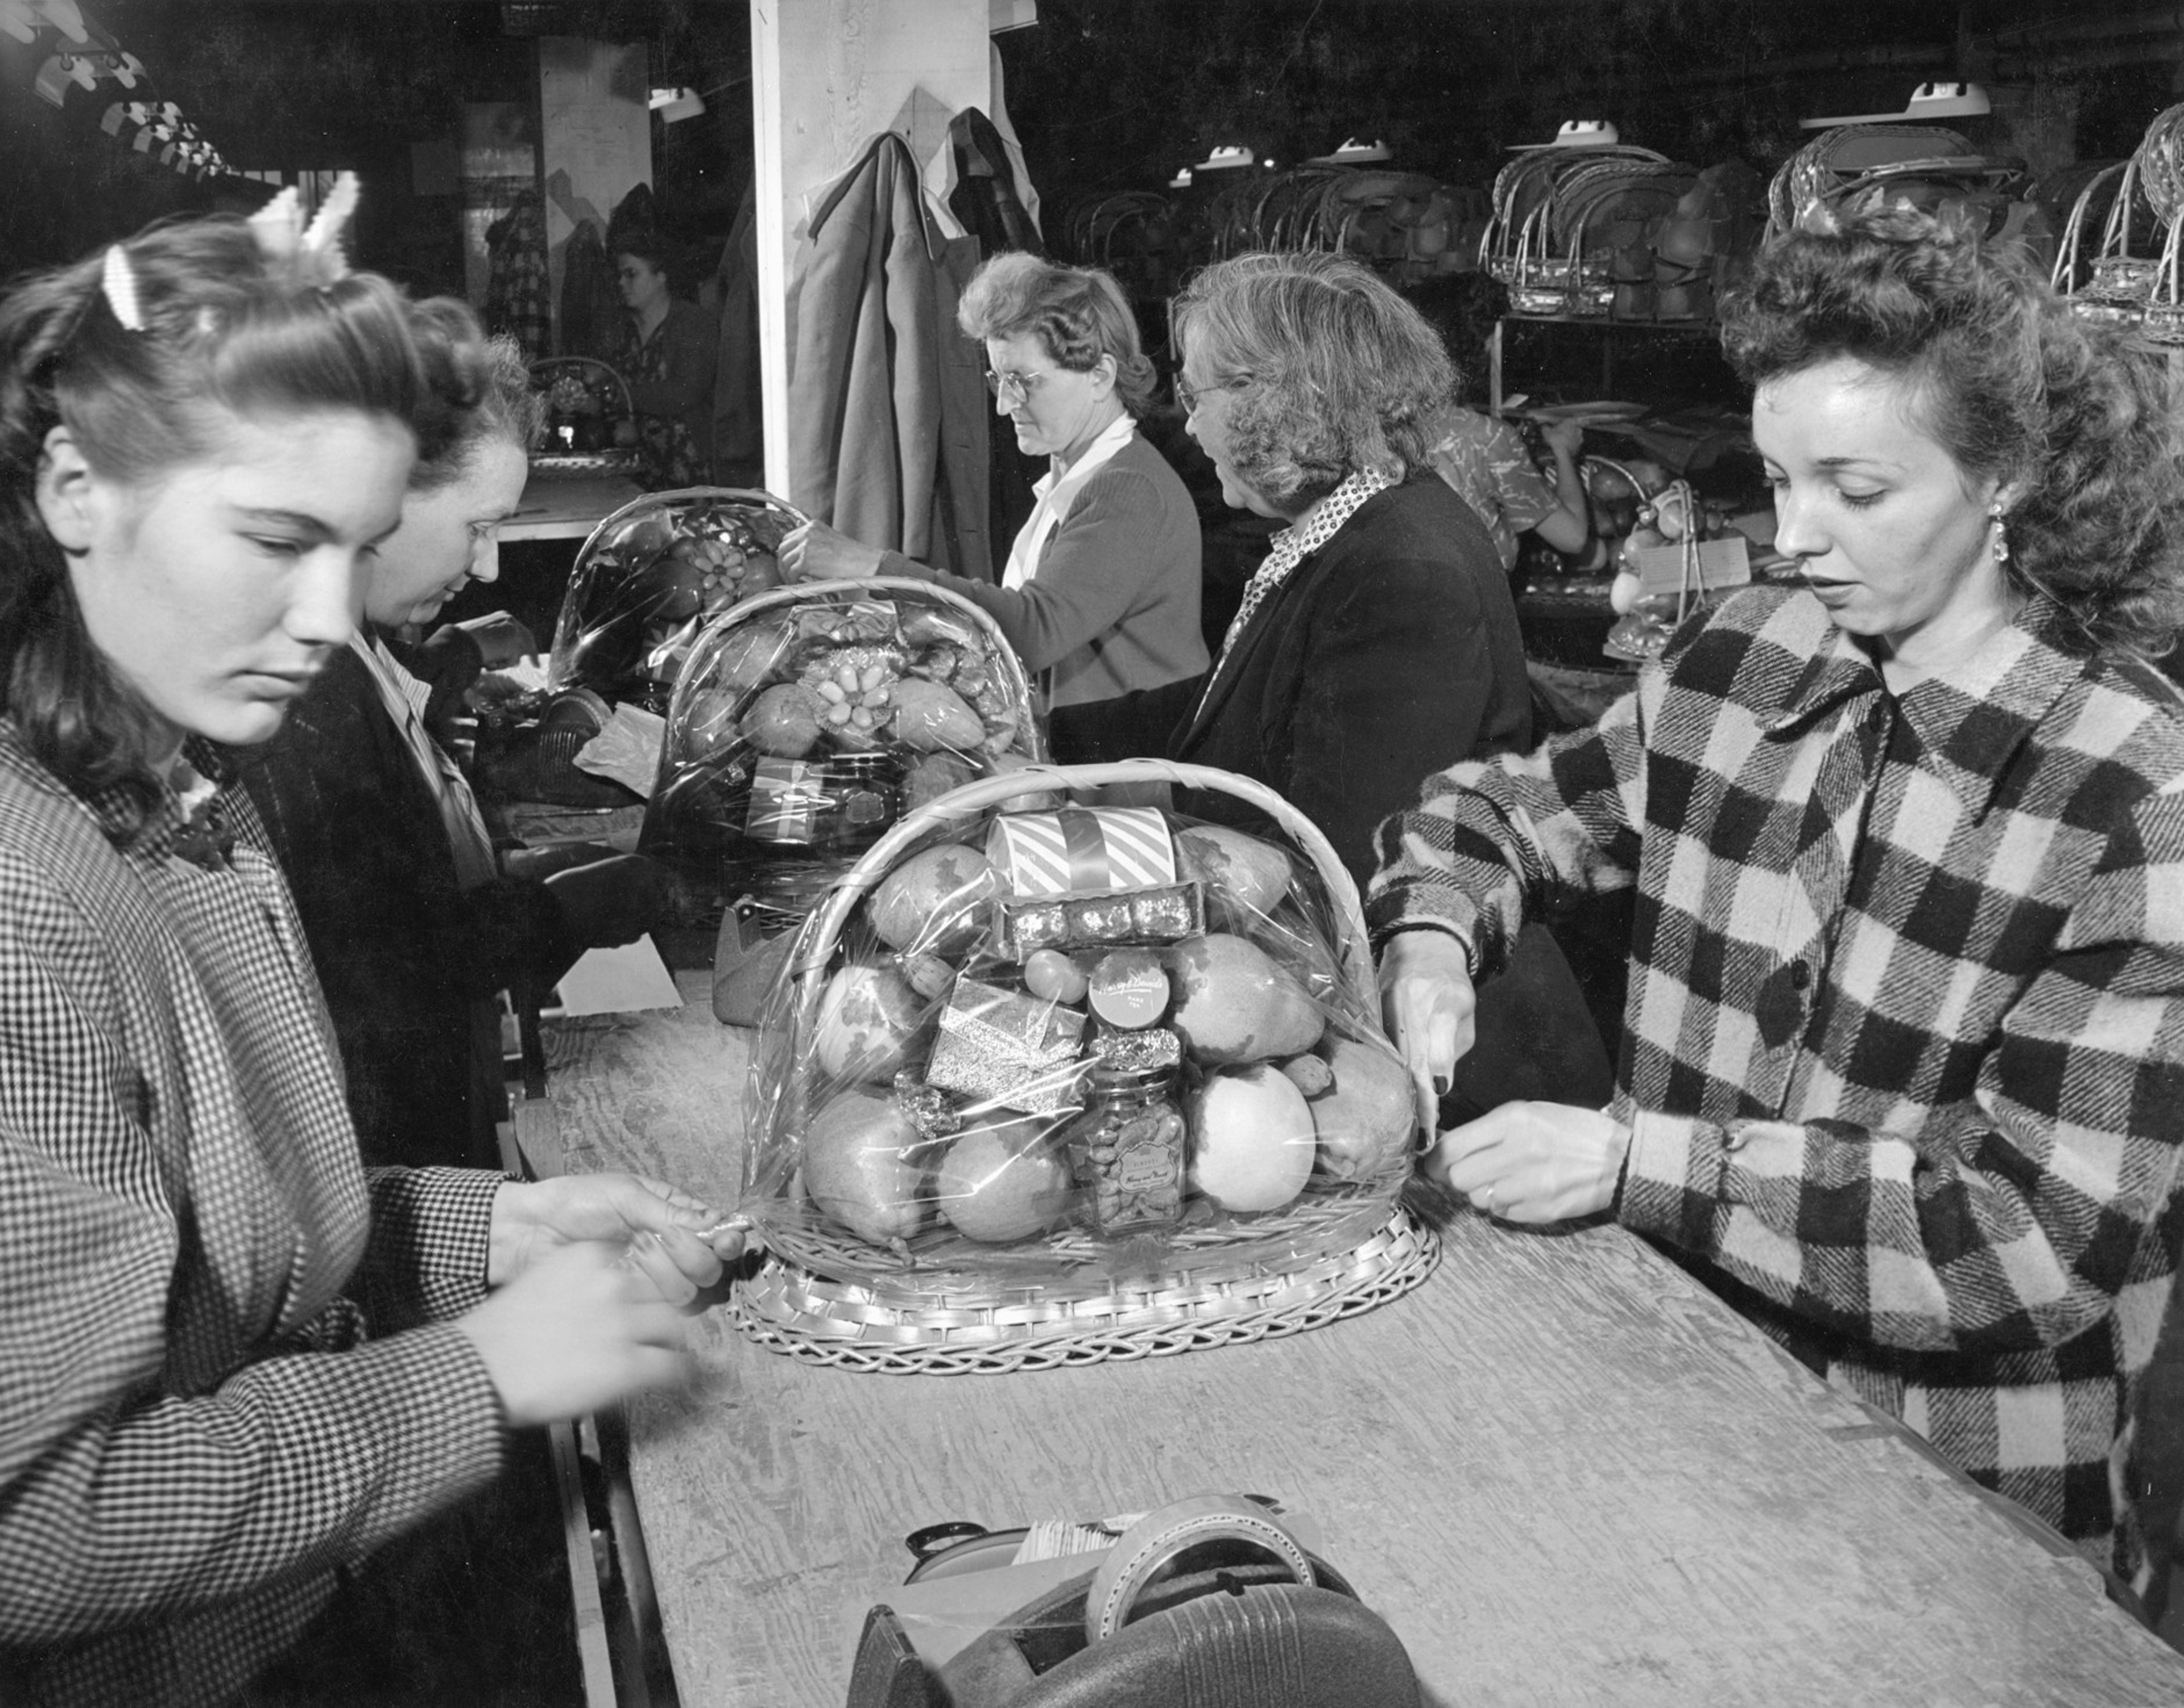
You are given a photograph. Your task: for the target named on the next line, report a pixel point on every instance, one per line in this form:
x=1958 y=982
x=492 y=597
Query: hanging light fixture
x=1228 y=156
x=1354 y=151
x=1928 y=101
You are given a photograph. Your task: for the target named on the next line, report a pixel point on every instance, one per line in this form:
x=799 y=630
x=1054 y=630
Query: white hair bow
x=314 y=252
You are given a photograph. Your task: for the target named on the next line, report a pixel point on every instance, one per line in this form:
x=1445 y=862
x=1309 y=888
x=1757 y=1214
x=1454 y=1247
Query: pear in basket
x=1365 y=1117
x=1235 y=1003
x=1249 y=875
x=935 y=901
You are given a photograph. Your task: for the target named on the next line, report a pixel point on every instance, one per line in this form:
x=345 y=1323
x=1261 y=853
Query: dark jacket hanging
x=886 y=408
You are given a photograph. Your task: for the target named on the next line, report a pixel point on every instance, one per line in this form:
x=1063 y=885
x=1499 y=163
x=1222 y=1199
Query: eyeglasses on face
x=1018 y=386
x=1191 y=396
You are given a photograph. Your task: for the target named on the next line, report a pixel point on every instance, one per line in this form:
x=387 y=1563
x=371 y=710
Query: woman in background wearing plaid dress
x=1903 y=1071
x=231 y=1364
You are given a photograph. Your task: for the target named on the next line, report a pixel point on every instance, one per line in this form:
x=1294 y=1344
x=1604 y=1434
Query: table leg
x=592 y=1647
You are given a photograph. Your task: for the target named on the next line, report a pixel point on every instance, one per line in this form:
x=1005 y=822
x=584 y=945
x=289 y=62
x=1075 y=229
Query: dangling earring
x=2000 y=536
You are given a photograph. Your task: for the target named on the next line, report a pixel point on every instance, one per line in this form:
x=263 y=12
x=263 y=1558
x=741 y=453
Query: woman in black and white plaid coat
x=229 y=1364
x=1903 y=1067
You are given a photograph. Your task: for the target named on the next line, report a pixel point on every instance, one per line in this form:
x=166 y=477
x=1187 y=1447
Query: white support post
x=827 y=76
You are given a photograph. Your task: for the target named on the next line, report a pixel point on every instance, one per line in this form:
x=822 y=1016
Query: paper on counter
x=618 y=980
x=627 y=750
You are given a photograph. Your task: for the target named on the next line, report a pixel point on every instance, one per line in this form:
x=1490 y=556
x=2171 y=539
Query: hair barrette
x=119 y=281
x=312 y=254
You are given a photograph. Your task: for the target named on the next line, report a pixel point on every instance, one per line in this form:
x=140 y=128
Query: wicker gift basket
x=587 y=401
x=648 y=579
x=1518 y=244
x=805 y=720
x=2108 y=282
x=1045 y=1083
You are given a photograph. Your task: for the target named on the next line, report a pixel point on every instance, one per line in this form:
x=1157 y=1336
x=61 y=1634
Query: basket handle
x=2062 y=276
x=822 y=931
x=2115 y=234
x=749 y=495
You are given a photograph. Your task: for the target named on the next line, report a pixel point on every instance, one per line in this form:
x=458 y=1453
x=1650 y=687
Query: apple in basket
x=1004 y=1182
x=864 y=1167
x=869 y=1017
x=1252 y=1142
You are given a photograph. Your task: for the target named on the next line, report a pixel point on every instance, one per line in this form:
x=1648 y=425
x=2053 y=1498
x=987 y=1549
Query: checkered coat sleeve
x=1903 y=1060
x=195 y=1429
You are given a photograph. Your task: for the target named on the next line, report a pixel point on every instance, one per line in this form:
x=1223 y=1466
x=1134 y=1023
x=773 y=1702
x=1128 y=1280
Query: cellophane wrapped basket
x=1046 y=1082
x=807 y=719
x=651 y=576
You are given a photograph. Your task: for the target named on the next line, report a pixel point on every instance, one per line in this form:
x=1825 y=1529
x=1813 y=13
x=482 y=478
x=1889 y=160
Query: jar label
x=1148 y=1166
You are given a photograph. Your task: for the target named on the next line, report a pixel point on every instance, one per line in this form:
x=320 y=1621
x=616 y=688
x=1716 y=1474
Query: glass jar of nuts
x=1128 y=1147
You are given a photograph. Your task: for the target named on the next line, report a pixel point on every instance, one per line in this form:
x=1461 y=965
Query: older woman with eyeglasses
x=1102 y=591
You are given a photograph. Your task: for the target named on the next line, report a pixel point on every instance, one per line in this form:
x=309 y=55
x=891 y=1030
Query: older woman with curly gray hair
x=1100 y=594
x=1378 y=643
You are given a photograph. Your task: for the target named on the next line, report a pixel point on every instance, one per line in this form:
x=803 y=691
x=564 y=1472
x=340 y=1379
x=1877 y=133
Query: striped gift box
x=1082 y=849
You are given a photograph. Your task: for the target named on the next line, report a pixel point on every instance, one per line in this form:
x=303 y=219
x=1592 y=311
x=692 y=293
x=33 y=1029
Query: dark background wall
x=1107 y=94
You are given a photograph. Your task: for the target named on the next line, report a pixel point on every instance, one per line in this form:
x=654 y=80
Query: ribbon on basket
x=1081 y=849
x=787 y=797
x=1002 y=1047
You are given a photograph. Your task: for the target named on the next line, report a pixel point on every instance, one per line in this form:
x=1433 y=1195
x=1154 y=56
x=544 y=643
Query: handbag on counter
x=1209 y=1602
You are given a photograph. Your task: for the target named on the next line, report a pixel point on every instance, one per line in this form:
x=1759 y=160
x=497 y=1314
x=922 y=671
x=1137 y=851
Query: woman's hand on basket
x=653 y=1227
x=815 y=552
x=1533 y=1162
x=1427 y=1002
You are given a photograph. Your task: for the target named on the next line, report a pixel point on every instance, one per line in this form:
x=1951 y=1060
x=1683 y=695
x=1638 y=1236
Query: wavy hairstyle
x=2013 y=387
x=507 y=410
x=1336 y=374
x=222 y=337
x=1078 y=314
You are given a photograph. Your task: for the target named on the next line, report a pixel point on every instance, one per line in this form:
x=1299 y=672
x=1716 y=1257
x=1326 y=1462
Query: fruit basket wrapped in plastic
x=651 y=576
x=809 y=719
x=1046 y=1082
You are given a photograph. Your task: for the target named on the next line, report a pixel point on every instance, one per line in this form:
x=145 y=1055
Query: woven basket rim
x=789 y=1310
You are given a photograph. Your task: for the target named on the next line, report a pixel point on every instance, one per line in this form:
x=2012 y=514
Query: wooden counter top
x=1564 y=1472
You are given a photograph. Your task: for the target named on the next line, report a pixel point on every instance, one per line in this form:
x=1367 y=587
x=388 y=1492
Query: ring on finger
x=1489 y=1200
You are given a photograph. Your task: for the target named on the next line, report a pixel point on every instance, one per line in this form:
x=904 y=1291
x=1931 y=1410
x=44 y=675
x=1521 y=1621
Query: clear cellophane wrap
x=1028 y=1041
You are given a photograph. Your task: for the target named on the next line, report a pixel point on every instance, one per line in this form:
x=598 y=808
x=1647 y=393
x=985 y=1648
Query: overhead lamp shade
x=1355 y=152
x=1928 y=101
